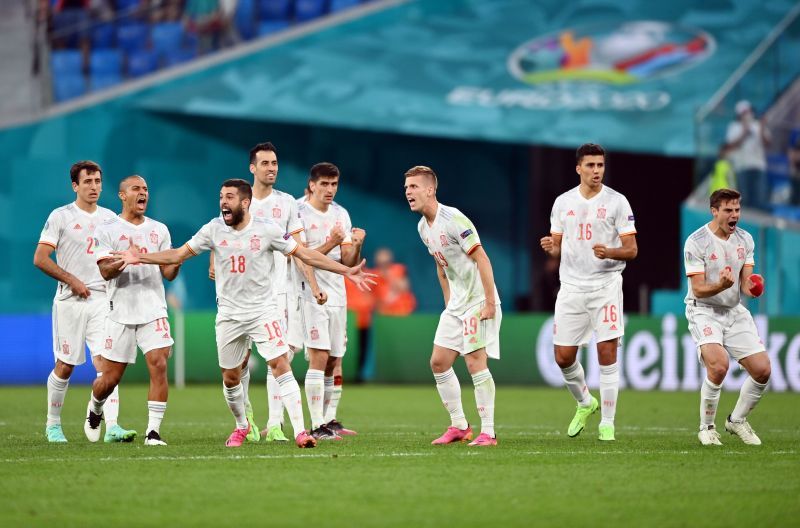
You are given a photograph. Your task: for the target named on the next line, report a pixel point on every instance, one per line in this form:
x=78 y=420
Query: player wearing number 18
x=470 y=323
x=243 y=248
x=592 y=230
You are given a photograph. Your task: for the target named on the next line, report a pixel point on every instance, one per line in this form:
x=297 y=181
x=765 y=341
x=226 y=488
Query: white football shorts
x=466 y=333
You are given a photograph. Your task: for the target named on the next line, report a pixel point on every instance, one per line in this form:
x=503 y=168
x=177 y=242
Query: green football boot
x=254 y=435
x=581 y=415
x=275 y=434
x=606 y=433
x=55 y=435
x=115 y=433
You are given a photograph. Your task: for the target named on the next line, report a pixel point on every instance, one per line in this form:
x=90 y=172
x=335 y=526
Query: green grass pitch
x=655 y=474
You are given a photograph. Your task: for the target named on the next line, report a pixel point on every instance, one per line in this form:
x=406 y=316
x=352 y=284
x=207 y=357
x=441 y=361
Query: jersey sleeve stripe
x=190 y=249
x=297 y=231
x=473 y=248
x=627 y=234
x=346 y=244
x=48 y=244
x=556 y=233
x=695 y=273
x=292 y=252
x=749 y=266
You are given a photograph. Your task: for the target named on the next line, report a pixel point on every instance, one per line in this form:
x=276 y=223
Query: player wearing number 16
x=243 y=248
x=592 y=230
x=470 y=323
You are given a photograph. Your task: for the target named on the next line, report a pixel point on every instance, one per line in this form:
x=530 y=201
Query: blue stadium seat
x=271 y=26
x=274 y=9
x=142 y=62
x=179 y=56
x=105 y=62
x=166 y=36
x=245 y=18
x=308 y=9
x=103 y=35
x=66 y=62
x=102 y=81
x=125 y=5
x=132 y=36
x=339 y=5
x=68 y=86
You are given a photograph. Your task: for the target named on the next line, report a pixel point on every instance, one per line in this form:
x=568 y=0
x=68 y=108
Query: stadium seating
x=267 y=27
x=101 y=81
x=68 y=86
x=274 y=9
x=65 y=62
x=103 y=35
x=105 y=62
x=245 y=18
x=166 y=36
x=308 y=9
x=339 y=5
x=142 y=62
x=132 y=36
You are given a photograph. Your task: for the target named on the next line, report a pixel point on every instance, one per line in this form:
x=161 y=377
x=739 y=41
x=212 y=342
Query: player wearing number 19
x=243 y=248
x=470 y=323
x=592 y=230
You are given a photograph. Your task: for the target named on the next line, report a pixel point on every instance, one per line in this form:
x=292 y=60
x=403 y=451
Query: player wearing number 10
x=244 y=249
x=592 y=230
x=470 y=323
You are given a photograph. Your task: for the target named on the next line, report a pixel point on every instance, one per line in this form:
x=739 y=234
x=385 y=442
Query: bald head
x=127 y=182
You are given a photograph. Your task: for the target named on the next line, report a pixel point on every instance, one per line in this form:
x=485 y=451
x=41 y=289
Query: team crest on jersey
x=109 y=342
x=276 y=212
x=707 y=331
x=314 y=334
x=713 y=256
x=601 y=213
x=255 y=243
x=65 y=348
x=153 y=237
x=740 y=253
x=444 y=241
x=260 y=213
x=91 y=227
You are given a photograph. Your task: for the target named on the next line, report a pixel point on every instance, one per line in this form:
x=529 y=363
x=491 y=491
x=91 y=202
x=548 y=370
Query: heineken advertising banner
x=657 y=353
x=629 y=75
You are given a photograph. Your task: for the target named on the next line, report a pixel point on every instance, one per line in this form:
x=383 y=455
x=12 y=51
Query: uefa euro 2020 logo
x=615 y=54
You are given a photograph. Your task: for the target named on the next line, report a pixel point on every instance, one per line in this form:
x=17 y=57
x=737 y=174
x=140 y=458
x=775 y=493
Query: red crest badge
x=314 y=334
x=443 y=240
x=740 y=253
x=255 y=243
x=601 y=213
x=65 y=348
x=276 y=212
x=109 y=342
x=153 y=237
x=707 y=331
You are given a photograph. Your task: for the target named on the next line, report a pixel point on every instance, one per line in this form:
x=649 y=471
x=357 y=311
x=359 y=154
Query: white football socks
x=56 y=392
x=609 y=391
x=333 y=399
x=749 y=396
x=111 y=408
x=234 y=396
x=576 y=383
x=315 y=391
x=450 y=393
x=244 y=379
x=290 y=396
x=484 y=399
x=274 y=402
x=155 y=413
x=709 y=400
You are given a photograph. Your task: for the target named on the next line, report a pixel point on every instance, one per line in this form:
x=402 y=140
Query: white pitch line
x=626 y=452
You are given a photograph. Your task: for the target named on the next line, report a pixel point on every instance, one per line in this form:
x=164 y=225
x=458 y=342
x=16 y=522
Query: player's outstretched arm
x=442 y=276
x=314 y=258
x=132 y=255
x=703 y=289
x=42 y=260
x=628 y=251
x=170 y=271
x=551 y=244
x=487 y=280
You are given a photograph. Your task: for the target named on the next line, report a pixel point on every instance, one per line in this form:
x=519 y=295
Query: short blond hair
x=422 y=170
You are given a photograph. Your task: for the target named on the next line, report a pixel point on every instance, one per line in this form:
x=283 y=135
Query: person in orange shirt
x=393 y=292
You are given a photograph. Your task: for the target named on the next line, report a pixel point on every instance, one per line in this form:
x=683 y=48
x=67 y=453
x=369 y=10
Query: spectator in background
x=722 y=175
x=362 y=303
x=71 y=22
x=393 y=292
x=204 y=17
x=793 y=154
x=747 y=138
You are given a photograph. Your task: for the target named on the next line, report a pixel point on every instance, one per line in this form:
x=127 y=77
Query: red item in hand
x=756 y=285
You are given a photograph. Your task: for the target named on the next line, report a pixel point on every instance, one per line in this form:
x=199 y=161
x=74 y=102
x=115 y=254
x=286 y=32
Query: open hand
x=360 y=278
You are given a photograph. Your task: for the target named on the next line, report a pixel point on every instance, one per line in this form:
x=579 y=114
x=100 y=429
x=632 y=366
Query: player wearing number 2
x=719 y=262
x=592 y=230
x=244 y=248
x=470 y=323
x=137 y=308
x=80 y=306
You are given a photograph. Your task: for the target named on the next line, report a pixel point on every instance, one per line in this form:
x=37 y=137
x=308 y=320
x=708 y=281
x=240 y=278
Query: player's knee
x=564 y=361
x=717 y=372
x=438 y=365
x=762 y=374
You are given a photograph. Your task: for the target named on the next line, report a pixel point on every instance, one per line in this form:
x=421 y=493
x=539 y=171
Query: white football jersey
x=317 y=228
x=135 y=296
x=243 y=263
x=582 y=224
x=450 y=240
x=704 y=252
x=71 y=231
x=281 y=208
